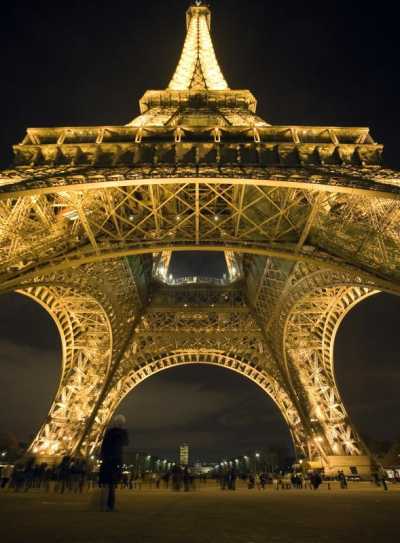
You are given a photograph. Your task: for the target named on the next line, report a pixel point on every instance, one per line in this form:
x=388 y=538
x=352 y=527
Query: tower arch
x=86 y=345
x=311 y=208
x=300 y=308
x=92 y=308
x=250 y=369
x=308 y=351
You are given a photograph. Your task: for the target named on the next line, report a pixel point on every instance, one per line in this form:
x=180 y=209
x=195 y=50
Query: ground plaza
x=362 y=513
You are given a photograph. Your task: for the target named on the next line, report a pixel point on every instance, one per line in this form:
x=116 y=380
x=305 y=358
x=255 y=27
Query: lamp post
x=147 y=465
x=257 y=456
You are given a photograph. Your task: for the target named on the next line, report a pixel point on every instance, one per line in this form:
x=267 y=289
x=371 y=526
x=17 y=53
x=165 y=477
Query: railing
x=194 y=279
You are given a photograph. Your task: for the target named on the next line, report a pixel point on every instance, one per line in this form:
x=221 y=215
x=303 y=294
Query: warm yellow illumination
x=198 y=170
x=198 y=66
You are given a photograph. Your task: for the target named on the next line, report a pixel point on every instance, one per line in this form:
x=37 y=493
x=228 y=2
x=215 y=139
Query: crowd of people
x=228 y=480
x=76 y=474
x=71 y=474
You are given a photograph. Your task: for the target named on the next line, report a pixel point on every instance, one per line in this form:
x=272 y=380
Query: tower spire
x=198 y=66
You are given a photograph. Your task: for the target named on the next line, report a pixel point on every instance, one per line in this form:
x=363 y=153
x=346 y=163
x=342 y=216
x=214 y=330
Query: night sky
x=88 y=63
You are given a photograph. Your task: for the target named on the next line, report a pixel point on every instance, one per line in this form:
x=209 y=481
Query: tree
x=392 y=457
x=8 y=441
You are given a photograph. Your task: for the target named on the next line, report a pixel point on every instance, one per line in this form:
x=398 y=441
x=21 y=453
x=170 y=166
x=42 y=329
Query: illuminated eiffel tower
x=306 y=216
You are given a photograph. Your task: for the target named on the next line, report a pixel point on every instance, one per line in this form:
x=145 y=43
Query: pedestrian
x=225 y=480
x=299 y=481
x=6 y=475
x=166 y=479
x=251 y=482
x=115 y=438
x=382 y=477
x=176 y=476
x=64 y=474
x=342 y=479
x=315 y=480
x=232 y=476
x=29 y=474
x=186 y=479
x=375 y=477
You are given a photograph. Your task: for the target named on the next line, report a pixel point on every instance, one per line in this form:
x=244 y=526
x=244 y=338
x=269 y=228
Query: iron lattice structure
x=307 y=217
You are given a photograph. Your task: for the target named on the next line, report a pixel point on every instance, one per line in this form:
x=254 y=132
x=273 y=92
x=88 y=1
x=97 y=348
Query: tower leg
x=300 y=308
x=309 y=336
x=139 y=367
x=86 y=351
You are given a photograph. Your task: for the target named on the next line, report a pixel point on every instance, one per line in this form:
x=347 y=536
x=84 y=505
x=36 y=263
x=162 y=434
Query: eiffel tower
x=306 y=217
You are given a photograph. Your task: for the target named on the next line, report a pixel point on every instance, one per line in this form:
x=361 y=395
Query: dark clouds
x=30 y=364
x=24 y=322
x=367 y=360
x=215 y=410
x=29 y=380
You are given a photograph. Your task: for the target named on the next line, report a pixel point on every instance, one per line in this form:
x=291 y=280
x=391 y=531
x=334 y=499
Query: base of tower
x=350 y=465
x=50 y=460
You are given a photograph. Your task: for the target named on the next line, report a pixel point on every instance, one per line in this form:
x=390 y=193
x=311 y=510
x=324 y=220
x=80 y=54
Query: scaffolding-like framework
x=307 y=217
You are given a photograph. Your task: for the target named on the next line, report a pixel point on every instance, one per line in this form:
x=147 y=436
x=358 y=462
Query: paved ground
x=361 y=514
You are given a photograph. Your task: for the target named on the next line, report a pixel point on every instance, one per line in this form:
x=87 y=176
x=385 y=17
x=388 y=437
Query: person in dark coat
x=115 y=438
x=315 y=479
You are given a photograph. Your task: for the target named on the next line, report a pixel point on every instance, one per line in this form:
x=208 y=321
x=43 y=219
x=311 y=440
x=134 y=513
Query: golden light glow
x=198 y=66
x=198 y=170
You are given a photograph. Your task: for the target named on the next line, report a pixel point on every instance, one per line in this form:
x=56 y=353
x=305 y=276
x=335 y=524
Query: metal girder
x=301 y=309
x=84 y=227
x=88 y=308
x=146 y=366
x=309 y=337
x=310 y=210
x=87 y=351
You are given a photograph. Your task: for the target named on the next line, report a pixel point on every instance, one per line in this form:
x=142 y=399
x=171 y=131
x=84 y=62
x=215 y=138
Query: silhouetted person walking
x=315 y=480
x=342 y=479
x=115 y=438
x=382 y=478
x=186 y=479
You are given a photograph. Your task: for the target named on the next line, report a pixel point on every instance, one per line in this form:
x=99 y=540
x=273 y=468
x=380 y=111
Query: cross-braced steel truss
x=250 y=369
x=307 y=217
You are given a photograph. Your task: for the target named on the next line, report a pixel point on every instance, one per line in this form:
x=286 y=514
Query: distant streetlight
x=257 y=456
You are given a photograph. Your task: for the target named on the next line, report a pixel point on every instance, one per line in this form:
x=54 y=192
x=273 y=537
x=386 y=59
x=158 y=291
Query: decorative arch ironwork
x=149 y=366
x=86 y=340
